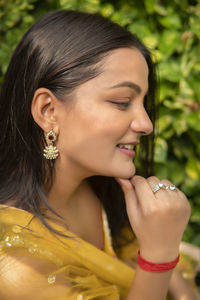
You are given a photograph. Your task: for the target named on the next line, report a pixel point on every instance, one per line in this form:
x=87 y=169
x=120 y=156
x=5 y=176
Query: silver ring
x=161 y=185
x=171 y=187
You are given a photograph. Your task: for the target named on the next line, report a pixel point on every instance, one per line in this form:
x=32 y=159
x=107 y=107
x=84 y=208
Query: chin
x=126 y=176
x=124 y=173
x=127 y=172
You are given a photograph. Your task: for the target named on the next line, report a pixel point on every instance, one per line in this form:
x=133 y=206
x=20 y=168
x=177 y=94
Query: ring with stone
x=158 y=186
x=171 y=187
x=161 y=185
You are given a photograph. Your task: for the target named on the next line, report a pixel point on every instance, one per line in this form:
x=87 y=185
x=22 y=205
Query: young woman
x=73 y=108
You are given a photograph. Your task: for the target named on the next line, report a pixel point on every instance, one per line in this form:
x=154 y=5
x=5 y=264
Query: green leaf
x=193 y=120
x=176 y=171
x=156 y=55
x=12 y=19
x=180 y=126
x=107 y=10
x=170 y=70
x=193 y=168
x=196 y=240
x=151 y=41
x=188 y=233
x=167 y=91
x=150 y=6
x=161 y=10
x=140 y=29
x=164 y=122
x=160 y=150
x=161 y=170
x=28 y=19
x=120 y=18
x=194 y=83
x=169 y=42
x=168 y=134
x=170 y=21
x=195 y=25
x=171 y=104
x=186 y=90
x=195 y=216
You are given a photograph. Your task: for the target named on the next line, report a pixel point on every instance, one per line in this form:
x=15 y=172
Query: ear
x=43 y=110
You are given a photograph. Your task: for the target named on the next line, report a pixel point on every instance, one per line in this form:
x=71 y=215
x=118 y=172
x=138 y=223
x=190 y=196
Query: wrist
x=156 y=267
x=159 y=256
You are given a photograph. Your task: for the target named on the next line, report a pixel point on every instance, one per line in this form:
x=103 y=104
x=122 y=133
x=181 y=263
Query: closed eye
x=121 y=104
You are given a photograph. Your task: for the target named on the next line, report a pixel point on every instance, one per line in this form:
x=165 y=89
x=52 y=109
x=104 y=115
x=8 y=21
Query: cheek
x=89 y=140
x=90 y=129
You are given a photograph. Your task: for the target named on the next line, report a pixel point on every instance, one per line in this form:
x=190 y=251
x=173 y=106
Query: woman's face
x=106 y=112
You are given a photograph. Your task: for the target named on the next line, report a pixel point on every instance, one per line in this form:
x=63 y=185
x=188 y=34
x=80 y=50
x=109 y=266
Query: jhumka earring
x=50 y=151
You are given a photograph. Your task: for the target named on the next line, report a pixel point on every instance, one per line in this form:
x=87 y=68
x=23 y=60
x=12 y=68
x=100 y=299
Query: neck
x=70 y=191
x=72 y=197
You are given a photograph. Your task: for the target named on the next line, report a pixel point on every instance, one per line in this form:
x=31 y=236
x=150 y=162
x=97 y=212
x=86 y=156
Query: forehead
x=118 y=66
x=124 y=64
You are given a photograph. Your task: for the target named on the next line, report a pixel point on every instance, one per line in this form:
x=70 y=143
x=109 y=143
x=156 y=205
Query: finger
x=143 y=191
x=154 y=181
x=129 y=193
x=178 y=192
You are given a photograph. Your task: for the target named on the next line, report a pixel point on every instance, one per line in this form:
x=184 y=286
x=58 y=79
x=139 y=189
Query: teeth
x=129 y=147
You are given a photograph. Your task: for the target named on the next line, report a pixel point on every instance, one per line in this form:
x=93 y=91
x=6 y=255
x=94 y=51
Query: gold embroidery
x=51 y=279
x=16 y=229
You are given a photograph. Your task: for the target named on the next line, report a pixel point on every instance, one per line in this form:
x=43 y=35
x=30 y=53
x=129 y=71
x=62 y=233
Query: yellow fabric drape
x=84 y=271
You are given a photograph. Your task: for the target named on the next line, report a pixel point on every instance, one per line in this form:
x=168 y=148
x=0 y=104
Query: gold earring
x=50 y=151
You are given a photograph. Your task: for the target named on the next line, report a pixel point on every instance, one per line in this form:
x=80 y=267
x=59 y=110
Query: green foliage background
x=171 y=29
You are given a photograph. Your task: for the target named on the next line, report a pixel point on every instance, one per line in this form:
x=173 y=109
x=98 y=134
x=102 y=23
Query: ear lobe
x=43 y=107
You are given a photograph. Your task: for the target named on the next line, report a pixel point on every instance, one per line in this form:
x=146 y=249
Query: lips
x=127 y=149
x=126 y=146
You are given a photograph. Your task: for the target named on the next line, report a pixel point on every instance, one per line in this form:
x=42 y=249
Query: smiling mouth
x=127 y=149
x=126 y=146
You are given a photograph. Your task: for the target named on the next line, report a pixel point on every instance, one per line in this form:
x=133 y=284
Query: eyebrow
x=129 y=84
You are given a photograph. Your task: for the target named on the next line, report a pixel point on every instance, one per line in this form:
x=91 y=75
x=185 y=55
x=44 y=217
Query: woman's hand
x=157 y=219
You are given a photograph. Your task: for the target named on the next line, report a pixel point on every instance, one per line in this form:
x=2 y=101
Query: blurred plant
x=171 y=29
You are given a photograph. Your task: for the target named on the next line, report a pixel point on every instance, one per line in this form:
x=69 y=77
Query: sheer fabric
x=38 y=264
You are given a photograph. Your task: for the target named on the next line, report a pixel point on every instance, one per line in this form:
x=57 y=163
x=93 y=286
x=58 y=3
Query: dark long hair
x=59 y=52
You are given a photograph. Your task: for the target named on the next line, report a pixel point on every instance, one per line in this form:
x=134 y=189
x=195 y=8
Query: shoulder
x=21 y=231
x=26 y=261
x=13 y=215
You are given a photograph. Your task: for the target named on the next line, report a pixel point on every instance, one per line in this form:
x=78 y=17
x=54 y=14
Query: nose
x=141 y=122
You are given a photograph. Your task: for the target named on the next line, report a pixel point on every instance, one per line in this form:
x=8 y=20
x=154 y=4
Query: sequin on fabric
x=16 y=229
x=51 y=279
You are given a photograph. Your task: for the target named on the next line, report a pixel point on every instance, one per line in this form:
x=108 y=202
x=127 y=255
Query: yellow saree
x=62 y=268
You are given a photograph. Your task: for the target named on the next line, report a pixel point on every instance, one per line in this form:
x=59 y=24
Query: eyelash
x=122 y=104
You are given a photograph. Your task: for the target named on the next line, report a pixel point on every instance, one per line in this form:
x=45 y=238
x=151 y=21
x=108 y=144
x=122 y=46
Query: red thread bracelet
x=156 y=267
